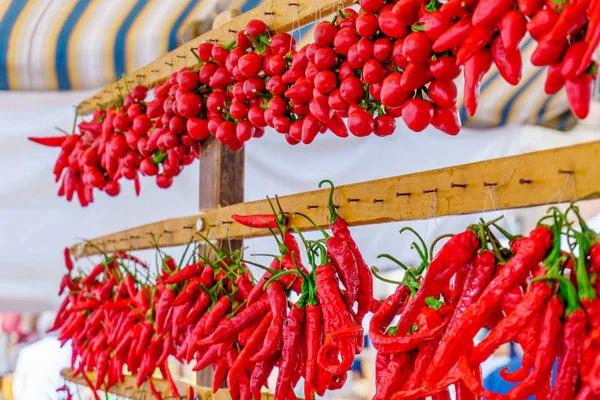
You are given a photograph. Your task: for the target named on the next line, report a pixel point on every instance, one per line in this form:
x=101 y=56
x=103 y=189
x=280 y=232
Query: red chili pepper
x=220 y=308
x=532 y=302
x=573 y=59
x=166 y=373
x=528 y=254
x=189 y=293
x=243 y=361
x=555 y=79
x=489 y=12
x=96 y=271
x=313 y=334
x=459 y=8
x=341 y=332
x=546 y=353
x=393 y=378
x=570 y=20
x=54 y=141
x=530 y=7
x=453 y=255
x=220 y=373
x=541 y=23
x=365 y=294
x=337 y=126
x=230 y=327
x=579 y=94
x=259 y=376
x=548 y=51
x=186 y=273
x=513 y=27
x=407 y=11
x=447 y=120
x=163 y=307
x=510 y=64
x=454 y=36
x=592 y=36
x=473 y=44
x=573 y=336
x=256 y=221
x=416 y=75
x=475 y=69
x=444 y=68
x=343 y=260
x=443 y=93
x=272 y=340
x=290 y=354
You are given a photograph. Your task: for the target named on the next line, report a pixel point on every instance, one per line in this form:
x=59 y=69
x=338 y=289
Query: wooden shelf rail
x=129 y=390
x=281 y=16
x=544 y=177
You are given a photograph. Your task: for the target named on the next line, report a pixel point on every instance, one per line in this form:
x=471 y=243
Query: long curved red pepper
x=528 y=254
x=290 y=353
x=272 y=340
x=457 y=252
x=547 y=348
x=475 y=69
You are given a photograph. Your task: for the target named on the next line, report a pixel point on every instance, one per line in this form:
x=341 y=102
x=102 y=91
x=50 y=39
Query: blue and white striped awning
x=82 y=44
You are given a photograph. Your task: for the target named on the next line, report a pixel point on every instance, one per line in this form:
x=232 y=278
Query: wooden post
x=221 y=183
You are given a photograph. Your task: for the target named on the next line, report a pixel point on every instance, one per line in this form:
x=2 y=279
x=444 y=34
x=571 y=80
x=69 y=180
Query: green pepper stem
x=271 y=270
x=395 y=260
x=435 y=241
x=325 y=234
x=278 y=276
x=330 y=205
x=421 y=240
x=375 y=272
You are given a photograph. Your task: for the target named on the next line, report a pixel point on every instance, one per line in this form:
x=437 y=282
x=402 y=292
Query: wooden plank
x=280 y=15
x=532 y=179
x=129 y=390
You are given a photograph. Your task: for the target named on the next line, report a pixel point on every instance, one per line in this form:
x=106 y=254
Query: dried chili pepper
x=290 y=354
x=340 y=229
x=573 y=335
x=313 y=334
x=528 y=254
x=272 y=340
x=242 y=363
x=457 y=252
x=230 y=327
x=187 y=273
x=551 y=326
x=394 y=376
x=341 y=332
x=256 y=221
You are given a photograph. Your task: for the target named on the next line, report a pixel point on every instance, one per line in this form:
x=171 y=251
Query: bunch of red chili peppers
x=210 y=310
x=364 y=70
x=532 y=293
x=307 y=320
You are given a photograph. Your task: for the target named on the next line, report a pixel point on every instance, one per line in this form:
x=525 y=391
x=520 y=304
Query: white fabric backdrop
x=36 y=224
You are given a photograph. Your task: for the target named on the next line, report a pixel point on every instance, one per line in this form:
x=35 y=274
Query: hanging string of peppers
x=364 y=70
x=306 y=317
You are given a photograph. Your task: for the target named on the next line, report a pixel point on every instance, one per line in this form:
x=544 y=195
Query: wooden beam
x=129 y=390
x=281 y=16
x=532 y=179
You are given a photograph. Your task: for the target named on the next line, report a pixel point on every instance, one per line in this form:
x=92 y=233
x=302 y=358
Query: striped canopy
x=82 y=44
